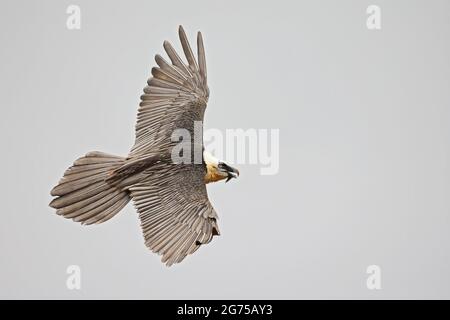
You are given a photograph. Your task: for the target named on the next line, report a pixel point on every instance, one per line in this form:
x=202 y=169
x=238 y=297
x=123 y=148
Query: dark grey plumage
x=171 y=199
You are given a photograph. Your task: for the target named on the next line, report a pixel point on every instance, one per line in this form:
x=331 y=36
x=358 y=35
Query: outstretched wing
x=176 y=215
x=175 y=97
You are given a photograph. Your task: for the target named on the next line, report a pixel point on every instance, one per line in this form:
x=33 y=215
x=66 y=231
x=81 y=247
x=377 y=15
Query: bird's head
x=217 y=170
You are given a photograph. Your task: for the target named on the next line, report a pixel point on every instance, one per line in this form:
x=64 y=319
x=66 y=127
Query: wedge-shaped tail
x=83 y=194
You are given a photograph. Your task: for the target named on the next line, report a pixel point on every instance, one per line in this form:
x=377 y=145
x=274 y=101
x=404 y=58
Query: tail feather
x=84 y=195
x=91 y=207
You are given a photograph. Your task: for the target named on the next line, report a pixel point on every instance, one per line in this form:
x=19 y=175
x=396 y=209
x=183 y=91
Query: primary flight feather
x=170 y=197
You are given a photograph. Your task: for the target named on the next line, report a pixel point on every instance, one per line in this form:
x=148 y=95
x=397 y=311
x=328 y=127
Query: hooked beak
x=232 y=173
x=227 y=171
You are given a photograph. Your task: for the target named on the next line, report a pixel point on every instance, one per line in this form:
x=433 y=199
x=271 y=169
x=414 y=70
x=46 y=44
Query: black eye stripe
x=224 y=166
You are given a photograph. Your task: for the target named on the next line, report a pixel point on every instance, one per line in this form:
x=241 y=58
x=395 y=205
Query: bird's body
x=170 y=197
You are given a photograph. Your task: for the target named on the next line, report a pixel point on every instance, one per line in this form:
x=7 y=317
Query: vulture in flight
x=170 y=196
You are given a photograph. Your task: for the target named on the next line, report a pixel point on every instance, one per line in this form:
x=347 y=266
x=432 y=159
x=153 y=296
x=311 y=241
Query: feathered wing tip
x=175 y=247
x=201 y=56
x=195 y=68
x=187 y=49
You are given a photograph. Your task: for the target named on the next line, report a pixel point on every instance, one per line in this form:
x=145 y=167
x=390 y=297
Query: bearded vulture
x=170 y=196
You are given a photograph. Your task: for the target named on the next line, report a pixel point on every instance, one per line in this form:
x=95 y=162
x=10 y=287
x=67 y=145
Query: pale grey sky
x=364 y=124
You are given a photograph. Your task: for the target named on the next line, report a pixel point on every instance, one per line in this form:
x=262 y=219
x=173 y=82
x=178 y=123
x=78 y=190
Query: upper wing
x=175 y=97
x=176 y=215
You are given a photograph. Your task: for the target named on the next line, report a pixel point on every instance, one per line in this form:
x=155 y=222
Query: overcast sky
x=364 y=147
